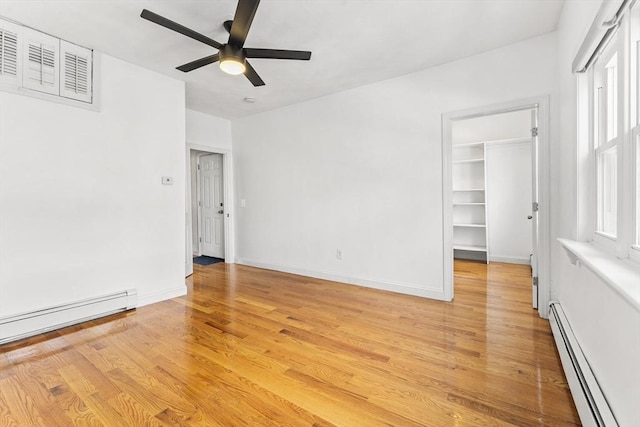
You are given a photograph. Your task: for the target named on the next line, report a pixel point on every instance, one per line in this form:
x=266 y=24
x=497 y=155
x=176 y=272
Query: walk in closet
x=492 y=189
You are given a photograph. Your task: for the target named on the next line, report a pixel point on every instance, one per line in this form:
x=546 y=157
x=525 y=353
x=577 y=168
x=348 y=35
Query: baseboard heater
x=589 y=399
x=24 y=325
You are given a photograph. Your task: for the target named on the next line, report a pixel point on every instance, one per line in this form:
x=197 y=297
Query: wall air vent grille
x=8 y=53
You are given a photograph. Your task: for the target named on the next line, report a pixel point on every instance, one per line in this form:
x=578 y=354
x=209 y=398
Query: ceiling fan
x=231 y=55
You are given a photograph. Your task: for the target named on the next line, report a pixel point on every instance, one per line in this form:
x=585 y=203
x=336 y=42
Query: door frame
x=227 y=184
x=543 y=166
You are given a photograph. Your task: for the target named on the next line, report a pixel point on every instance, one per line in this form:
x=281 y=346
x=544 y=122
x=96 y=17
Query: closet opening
x=491 y=194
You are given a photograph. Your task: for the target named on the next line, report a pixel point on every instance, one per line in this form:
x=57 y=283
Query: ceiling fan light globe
x=232 y=66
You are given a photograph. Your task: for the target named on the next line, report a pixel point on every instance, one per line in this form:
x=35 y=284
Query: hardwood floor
x=255 y=347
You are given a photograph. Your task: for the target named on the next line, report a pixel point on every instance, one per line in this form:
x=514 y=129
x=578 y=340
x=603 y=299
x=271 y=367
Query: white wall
x=207 y=130
x=509 y=201
x=360 y=170
x=606 y=327
x=515 y=124
x=83 y=212
x=605 y=324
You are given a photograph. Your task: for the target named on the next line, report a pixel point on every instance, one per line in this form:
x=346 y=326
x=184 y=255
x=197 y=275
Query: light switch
x=167 y=180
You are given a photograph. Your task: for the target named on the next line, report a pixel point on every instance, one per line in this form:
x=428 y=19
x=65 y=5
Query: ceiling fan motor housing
x=228 y=52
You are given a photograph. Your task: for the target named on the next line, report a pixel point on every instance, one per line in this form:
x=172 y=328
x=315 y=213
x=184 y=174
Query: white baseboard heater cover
x=24 y=325
x=585 y=390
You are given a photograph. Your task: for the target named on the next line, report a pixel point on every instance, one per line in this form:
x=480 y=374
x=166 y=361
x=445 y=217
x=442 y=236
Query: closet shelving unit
x=470 y=232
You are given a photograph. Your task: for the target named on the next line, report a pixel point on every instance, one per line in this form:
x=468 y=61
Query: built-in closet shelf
x=469 y=200
x=470 y=248
x=467 y=161
x=495 y=141
x=468 y=144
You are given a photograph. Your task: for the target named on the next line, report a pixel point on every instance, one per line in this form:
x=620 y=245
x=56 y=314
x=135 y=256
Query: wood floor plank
x=23 y=409
x=130 y=410
x=248 y=346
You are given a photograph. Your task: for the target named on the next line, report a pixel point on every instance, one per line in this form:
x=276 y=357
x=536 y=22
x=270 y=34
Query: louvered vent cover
x=76 y=73
x=42 y=64
x=8 y=53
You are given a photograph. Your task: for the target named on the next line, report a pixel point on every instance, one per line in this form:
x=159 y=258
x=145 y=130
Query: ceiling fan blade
x=242 y=20
x=199 y=63
x=167 y=23
x=253 y=77
x=302 y=55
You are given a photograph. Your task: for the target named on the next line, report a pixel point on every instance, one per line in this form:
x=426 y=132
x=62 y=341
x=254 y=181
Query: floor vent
x=590 y=402
x=24 y=325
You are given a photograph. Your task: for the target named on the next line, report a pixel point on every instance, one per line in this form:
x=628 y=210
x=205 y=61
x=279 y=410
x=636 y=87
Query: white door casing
x=211 y=230
x=534 y=207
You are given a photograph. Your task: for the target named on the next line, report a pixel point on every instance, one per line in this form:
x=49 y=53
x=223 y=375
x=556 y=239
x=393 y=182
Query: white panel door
x=509 y=181
x=211 y=206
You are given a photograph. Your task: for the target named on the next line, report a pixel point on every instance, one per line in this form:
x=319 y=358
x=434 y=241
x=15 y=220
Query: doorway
x=209 y=227
x=491 y=189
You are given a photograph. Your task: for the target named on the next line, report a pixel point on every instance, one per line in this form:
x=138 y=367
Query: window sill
x=622 y=275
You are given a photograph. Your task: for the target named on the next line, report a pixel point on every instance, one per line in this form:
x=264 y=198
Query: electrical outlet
x=338 y=253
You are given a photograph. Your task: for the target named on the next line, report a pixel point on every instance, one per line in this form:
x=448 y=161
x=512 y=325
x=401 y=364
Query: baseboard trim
x=23 y=325
x=509 y=259
x=154 y=297
x=590 y=402
x=401 y=288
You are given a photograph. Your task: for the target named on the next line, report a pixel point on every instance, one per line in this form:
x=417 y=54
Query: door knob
x=220 y=211
x=529 y=217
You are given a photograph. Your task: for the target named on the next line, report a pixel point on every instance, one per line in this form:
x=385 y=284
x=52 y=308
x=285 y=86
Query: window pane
x=612 y=97
x=598 y=112
x=608 y=191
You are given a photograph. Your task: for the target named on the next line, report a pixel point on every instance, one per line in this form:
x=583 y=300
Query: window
x=609 y=113
x=42 y=63
x=607 y=192
x=606 y=137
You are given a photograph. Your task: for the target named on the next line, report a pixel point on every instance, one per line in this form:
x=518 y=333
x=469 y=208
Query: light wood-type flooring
x=251 y=347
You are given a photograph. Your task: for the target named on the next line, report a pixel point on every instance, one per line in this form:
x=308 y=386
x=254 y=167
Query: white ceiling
x=354 y=42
